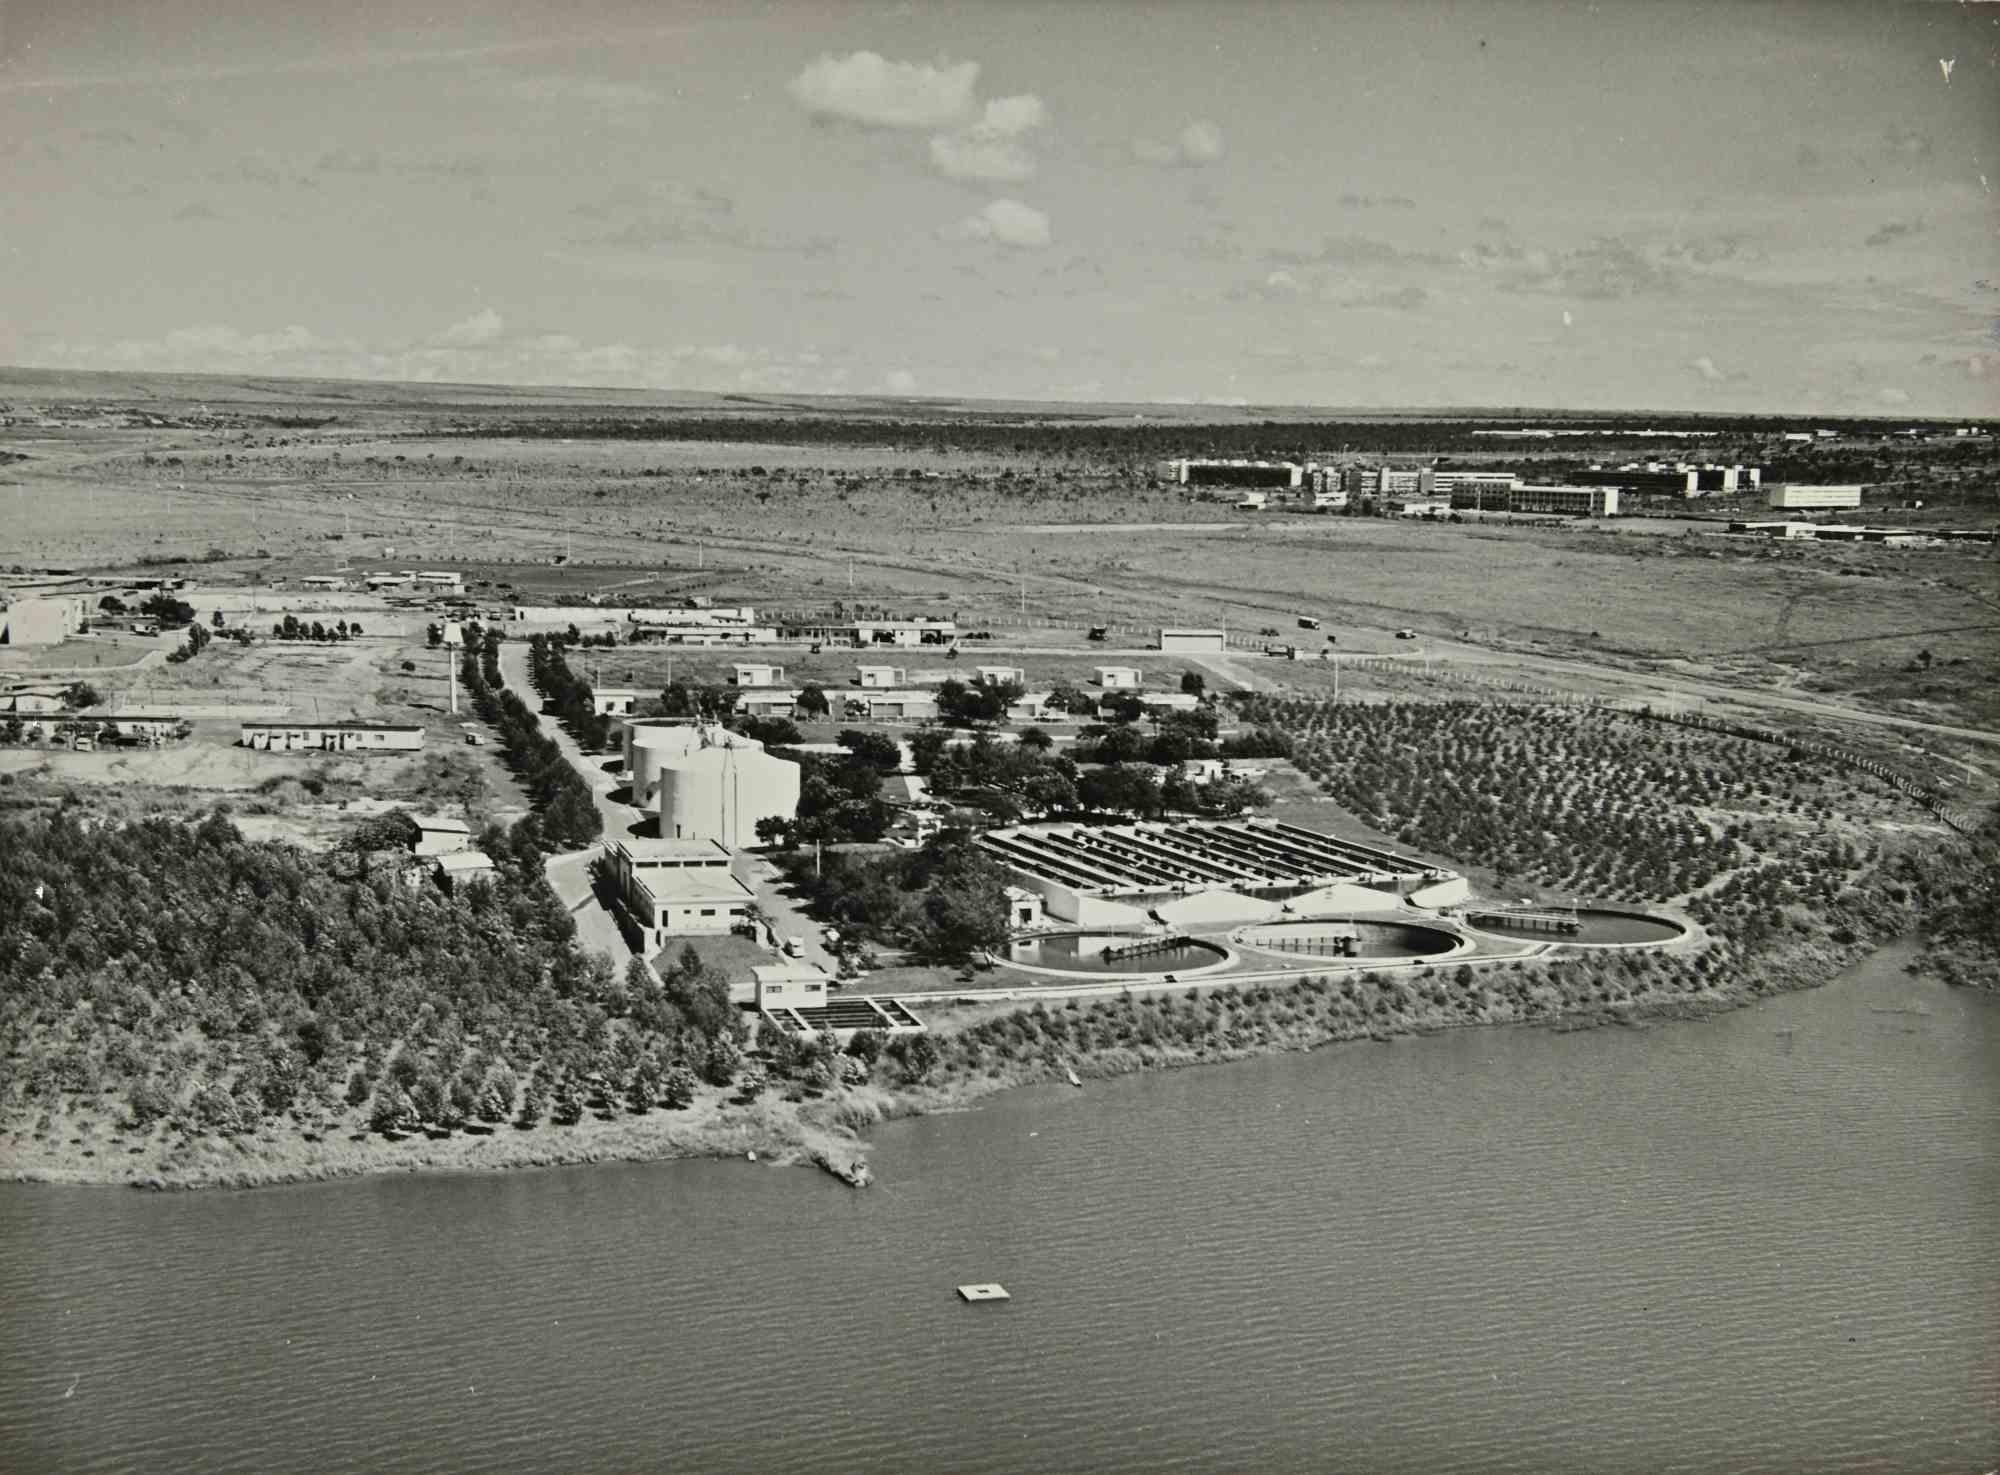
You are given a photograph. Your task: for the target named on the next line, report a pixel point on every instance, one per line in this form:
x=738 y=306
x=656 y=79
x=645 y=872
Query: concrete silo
x=649 y=744
x=719 y=793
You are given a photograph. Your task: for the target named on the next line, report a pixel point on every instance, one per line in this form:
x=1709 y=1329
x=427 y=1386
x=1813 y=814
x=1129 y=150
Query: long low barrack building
x=1105 y=875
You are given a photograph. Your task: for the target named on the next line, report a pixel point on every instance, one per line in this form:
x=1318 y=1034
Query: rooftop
x=348 y=726
x=672 y=887
x=442 y=822
x=460 y=862
x=645 y=848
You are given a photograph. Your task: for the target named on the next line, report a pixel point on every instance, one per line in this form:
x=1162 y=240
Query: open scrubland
x=206 y=978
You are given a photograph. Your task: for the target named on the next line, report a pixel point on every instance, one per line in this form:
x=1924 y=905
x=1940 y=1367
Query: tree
x=877 y=750
x=1193 y=684
x=677 y=1086
x=976 y=703
x=812 y=702
x=927 y=746
x=920 y=1055
x=216 y=619
x=80 y=694
x=773 y=732
x=496 y=1094
x=1034 y=740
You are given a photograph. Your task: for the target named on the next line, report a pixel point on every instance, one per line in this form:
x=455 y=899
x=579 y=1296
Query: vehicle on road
x=1406 y=635
x=1307 y=622
x=1098 y=632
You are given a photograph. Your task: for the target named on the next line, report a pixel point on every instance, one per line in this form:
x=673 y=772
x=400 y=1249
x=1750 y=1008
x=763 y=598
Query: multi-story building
x=1788 y=497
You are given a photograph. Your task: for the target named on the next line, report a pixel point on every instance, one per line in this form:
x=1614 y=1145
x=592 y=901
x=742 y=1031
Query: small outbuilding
x=1119 y=678
x=1194 y=642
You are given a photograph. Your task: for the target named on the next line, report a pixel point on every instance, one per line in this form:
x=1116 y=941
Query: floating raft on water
x=989 y=1291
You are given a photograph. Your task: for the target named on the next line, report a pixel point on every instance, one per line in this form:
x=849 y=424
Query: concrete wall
x=1442 y=893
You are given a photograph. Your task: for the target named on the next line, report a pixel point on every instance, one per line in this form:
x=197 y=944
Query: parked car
x=1406 y=635
x=1307 y=622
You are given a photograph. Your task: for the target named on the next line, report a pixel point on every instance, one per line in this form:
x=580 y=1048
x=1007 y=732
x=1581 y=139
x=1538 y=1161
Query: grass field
x=1025 y=540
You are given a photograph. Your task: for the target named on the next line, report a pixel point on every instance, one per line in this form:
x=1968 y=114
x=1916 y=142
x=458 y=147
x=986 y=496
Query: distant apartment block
x=1794 y=498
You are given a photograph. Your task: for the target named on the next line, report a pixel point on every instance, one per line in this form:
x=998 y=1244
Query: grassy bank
x=88 y=1147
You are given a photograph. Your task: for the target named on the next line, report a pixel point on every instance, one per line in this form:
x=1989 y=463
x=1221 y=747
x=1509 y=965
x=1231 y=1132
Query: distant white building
x=1119 y=678
x=744 y=674
x=883 y=677
x=1794 y=498
x=1194 y=641
x=441 y=834
x=332 y=737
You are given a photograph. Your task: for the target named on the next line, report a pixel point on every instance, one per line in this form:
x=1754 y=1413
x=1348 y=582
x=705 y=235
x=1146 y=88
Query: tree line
x=566 y=815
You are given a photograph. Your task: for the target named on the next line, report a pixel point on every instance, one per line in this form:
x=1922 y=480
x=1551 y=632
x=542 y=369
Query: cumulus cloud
x=900 y=381
x=1706 y=367
x=1005 y=223
x=1201 y=142
x=873 y=91
x=483 y=327
x=995 y=147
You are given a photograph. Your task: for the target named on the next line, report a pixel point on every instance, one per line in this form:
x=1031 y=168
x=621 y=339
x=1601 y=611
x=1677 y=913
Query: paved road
x=569 y=875
x=620 y=820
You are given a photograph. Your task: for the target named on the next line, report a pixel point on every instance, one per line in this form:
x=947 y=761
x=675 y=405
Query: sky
x=1735 y=206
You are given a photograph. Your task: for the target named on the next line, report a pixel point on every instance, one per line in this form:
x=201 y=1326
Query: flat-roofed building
x=995 y=675
x=616 y=701
x=679 y=888
x=864 y=633
x=891 y=706
x=1565 y=501
x=745 y=674
x=332 y=737
x=41 y=621
x=881 y=677
x=460 y=867
x=441 y=834
x=776 y=702
x=1790 y=497
x=1194 y=641
x=792 y=985
x=1119 y=678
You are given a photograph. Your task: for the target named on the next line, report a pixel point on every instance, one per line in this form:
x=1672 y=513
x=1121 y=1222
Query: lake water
x=1764 y=1243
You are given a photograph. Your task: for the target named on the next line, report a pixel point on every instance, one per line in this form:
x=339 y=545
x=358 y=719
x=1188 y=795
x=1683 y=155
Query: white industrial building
x=890 y=706
x=1119 y=678
x=881 y=677
x=332 y=737
x=771 y=702
x=997 y=675
x=720 y=791
x=615 y=701
x=441 y=834
x=679 y=888
x=1194 y=641
x=41 y=621
x=1238 y=473
x=756 y=675
x=1793 y=498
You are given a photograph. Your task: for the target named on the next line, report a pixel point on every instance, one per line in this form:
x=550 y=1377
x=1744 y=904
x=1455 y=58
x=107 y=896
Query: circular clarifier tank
x=1348 y=938
x=1596 y=927
x=1086 y=953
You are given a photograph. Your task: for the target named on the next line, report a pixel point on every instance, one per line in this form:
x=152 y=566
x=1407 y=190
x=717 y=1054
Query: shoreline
x=828 y=1133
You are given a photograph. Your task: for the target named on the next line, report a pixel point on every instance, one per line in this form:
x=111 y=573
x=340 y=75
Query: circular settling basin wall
x=1081 y=955
x=1374 y=939
x=1599 y=927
